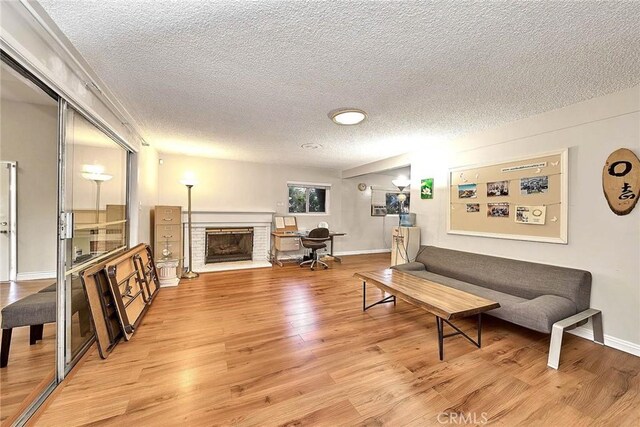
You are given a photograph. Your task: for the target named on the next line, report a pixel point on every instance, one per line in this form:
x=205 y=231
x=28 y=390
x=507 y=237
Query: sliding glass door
x=63 y=208
x=95 y=203
x=28 y=236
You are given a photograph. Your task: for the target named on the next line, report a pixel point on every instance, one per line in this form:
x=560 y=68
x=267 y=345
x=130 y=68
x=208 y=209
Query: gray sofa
x=536 y=296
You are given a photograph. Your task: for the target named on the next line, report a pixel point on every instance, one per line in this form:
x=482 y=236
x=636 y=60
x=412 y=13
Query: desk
x=277 y=235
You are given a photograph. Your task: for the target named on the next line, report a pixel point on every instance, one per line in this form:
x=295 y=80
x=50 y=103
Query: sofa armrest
x=410 y=266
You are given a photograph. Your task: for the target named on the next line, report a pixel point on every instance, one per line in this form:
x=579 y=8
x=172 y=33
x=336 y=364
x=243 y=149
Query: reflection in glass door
x=28 y=249
x=95 y=197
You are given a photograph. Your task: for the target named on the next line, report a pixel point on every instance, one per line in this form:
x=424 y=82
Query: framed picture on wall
x=426 y=188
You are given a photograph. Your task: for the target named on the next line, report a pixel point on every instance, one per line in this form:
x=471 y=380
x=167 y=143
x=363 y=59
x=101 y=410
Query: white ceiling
x=255 y=80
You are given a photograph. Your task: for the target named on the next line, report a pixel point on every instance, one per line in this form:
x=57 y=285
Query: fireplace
x=228 y=244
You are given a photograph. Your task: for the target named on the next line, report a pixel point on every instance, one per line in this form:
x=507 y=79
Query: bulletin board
x=523 y=199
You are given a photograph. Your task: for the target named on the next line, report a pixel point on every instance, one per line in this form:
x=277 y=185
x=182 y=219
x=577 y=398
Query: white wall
x=226 y=185
x=147 y=187
x=599 y=241
x=365 y=233
x=29 y=136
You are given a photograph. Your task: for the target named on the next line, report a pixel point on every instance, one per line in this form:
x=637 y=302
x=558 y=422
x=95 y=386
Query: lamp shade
x=99 y=177
x=95 y=173
x=401 y=182
x=189 y=179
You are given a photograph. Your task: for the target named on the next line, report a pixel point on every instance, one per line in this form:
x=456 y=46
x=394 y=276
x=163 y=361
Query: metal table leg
x=335 y=258
x=365 y=307
x=441 y=335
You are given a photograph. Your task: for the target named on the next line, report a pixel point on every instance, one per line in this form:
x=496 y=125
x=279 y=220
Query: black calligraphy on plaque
x=627 y=168
x=626 y=193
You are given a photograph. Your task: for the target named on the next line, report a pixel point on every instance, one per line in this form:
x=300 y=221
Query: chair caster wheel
x=313 y=269
x=326 y=268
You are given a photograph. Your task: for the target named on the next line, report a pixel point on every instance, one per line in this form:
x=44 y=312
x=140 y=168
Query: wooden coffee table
x=444 y=302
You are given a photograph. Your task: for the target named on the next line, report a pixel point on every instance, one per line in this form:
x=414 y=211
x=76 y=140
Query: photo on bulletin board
x=534 y=185
x=473 y=207
x=520 y=199
x=531 y=214
x=498 y=210
x=497 y=189
x=426 y=188
x=467 y=191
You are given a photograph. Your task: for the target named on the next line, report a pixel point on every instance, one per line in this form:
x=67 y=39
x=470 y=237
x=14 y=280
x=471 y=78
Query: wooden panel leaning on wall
x=120 y=291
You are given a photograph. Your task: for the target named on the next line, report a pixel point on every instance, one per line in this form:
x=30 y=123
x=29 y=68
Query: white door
x=8 y=237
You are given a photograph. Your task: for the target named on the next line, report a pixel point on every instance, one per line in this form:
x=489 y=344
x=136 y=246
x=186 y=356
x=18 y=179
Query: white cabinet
x=405 y=244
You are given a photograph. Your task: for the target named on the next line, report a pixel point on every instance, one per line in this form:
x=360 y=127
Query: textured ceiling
x=255 y=80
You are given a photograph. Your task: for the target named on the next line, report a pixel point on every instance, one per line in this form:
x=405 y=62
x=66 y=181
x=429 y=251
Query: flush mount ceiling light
x=347 y=116
x=311 y=146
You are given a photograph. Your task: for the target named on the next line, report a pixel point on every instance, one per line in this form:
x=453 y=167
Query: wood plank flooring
x=290 y=346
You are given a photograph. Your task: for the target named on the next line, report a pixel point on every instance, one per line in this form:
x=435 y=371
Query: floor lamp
x=96 y=174
x=189 y=181
x=401 y=183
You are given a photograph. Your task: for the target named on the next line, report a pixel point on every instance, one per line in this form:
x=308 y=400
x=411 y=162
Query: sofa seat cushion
x=538 y=314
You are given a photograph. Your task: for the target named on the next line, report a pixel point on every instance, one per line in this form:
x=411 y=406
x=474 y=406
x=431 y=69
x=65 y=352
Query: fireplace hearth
x=228 y=244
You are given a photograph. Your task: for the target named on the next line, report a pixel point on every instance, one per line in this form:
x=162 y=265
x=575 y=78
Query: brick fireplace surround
x=201 y=220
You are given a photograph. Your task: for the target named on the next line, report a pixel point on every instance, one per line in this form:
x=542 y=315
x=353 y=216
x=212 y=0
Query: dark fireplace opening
x=228 y=244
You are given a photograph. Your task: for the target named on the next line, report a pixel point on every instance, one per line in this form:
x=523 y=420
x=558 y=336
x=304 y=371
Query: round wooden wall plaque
x=621 y=181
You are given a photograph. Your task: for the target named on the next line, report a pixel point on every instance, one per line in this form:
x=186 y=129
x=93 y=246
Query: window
x=393 y=206
x=308 y=198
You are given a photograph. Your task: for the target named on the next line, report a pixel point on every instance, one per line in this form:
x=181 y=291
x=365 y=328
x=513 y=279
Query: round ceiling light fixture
x=311 y=146
x=347 y=116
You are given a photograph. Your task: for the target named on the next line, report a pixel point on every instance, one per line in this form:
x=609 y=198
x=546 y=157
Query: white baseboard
x=609 y=341
x=363 y=252
x=36 y=275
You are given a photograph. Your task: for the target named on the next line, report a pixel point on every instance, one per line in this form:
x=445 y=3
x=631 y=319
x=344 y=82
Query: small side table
x=168 y=272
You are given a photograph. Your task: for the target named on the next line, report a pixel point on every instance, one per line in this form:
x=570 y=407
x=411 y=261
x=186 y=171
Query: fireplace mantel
x=229 y=217
x=259 y=220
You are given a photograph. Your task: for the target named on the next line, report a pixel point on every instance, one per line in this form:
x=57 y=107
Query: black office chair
x=315 y=241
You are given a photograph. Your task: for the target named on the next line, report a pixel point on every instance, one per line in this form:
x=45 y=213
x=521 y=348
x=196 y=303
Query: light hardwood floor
x=30 y=367
x=287 y=346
